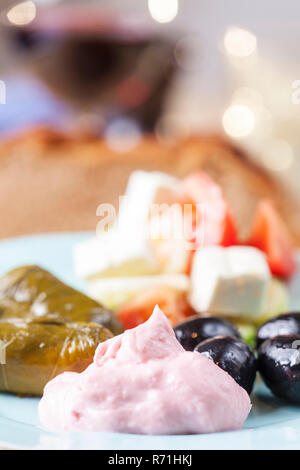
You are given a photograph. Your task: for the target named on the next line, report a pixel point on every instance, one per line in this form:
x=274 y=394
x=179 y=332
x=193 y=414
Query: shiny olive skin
x=279 y=365
x=286 y=324
x=232 y=355
x=197 y=329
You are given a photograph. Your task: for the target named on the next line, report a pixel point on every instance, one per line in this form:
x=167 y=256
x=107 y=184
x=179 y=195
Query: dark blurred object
x=98 y=64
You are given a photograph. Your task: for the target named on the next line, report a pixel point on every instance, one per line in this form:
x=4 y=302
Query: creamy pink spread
x=144 y=382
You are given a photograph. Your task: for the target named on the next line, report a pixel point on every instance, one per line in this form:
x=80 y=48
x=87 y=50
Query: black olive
x=279 y=366
x=197 y=329
x=232 y=355
x=286 y=324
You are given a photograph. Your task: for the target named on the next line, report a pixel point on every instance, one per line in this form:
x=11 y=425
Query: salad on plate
x=178 y=317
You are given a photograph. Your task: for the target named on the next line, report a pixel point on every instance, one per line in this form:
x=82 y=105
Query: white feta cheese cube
x=229 y=281
x=126 y=249
x=114 y=254
x=144 y=189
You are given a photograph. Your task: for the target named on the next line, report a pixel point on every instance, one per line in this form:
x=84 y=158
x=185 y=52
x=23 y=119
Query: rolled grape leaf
x=32 y=292
x=33 y=351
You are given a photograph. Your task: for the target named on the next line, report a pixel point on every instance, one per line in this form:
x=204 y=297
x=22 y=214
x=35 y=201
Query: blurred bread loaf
x=53 y=182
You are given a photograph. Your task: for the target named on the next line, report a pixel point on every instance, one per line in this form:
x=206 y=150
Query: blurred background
x=168 y=67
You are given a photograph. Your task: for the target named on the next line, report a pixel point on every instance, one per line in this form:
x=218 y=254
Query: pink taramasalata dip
x=144 y=382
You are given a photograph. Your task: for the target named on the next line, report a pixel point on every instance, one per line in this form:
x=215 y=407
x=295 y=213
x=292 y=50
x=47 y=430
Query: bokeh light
x=239 y=42
x=22 y=13
x=238 y=121
x=163 y=11
x=122 y=135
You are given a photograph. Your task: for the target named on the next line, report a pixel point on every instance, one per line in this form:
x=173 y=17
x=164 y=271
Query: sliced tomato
x=215 y=224
x=173 y=303
x=270 y=235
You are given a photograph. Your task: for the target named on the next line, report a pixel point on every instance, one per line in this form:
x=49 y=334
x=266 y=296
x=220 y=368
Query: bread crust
x=50 y=181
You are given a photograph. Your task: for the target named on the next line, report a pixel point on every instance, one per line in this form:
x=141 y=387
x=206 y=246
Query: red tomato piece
x=215 y=224
x=173 y=303
x=270 y=235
